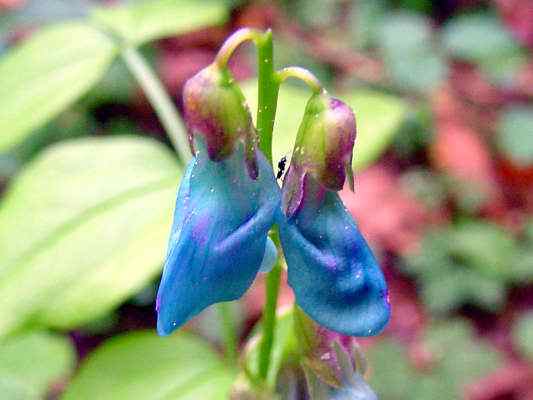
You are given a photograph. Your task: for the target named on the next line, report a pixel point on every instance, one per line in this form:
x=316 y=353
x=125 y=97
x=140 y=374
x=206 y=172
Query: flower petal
x=270 y=257
x=218 y=238
x=331 y=269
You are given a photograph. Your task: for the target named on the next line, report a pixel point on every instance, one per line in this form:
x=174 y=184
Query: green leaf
x=410 y=55
x=523 y=335
x=457 y=358
x=285 y=345
x=514 y=136
x=378 y=119
x=30 y=362
x=82 y=228
x=471 y=263
x=485 y=247
x=144 y=21
x=482 y=39
x=45 y=74
x=461 y=356
x=142 y=365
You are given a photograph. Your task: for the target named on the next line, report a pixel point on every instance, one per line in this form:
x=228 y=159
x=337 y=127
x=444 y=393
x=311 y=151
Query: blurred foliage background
x=443 y=95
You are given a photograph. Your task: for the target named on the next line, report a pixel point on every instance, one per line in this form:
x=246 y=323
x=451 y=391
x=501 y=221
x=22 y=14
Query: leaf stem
x=229 y=331
x=234 y=41
x=300 y=73
x=160 y=101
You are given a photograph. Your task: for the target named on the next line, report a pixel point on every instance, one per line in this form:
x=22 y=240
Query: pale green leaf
x=30 y=362
x=284 y=346
x=457 y=358
x=523 y=334
x=142 y=365
x=410 y=55
x=515 y=135
x=153 y=19
x=378 y=118
x=46 y=73
x=82 y=228
x=482 y=39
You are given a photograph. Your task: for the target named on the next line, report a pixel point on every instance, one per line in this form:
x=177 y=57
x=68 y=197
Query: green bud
x=323 y=149
x=325 y=141
x=216 y=110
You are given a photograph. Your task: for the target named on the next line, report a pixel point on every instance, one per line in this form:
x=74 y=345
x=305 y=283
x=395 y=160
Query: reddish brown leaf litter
x=513 y=381
x=518 y=15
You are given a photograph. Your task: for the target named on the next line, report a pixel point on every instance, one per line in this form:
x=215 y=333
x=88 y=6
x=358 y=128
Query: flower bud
x=323 y=149
x=331 y=356
x=325 y=141
x=216 y=110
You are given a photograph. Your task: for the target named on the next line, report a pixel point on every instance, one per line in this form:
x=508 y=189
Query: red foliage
x=459 y=152
x=518 y=15
x=10 y=4
x=513 y=381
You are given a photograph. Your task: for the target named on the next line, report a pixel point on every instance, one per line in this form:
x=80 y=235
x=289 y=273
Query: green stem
x=160 y=100
x=304 y=75
x=269 y=320
x=267 y=93
x=234 y=41
x=266 y=112
x=229 y=332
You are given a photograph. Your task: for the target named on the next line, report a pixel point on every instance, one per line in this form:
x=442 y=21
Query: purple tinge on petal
x=293 y=191
x=334 y=275
x=218 y=238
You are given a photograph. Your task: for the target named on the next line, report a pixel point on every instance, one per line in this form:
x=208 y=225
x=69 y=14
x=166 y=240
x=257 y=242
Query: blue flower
x=218 y=237
x=334 y=275
x=331 y=268
x=229 y=199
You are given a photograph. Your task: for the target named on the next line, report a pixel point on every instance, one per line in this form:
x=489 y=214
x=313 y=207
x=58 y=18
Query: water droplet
x=212 y=190
x=174 y=323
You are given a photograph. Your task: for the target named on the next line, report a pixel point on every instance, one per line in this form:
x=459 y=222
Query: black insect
x=281 y=167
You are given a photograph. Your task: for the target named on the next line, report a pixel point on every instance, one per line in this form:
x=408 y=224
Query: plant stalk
x=267 y=93
x=229 y=331
x=266 y=112
x=160 y=101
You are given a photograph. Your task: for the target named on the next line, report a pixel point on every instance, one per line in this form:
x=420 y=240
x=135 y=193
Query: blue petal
x=218 y=237
x=270 y=257
x=331 y=269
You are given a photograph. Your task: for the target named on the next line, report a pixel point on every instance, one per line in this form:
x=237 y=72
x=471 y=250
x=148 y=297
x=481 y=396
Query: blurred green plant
x=451 y=357
x=61 y=62
x=30 y=362
x=473 y=262
x=514 y=135
x=481 y=39
x=523 y=335
x=143 y=366
x=411 y=55
x=104 y=219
